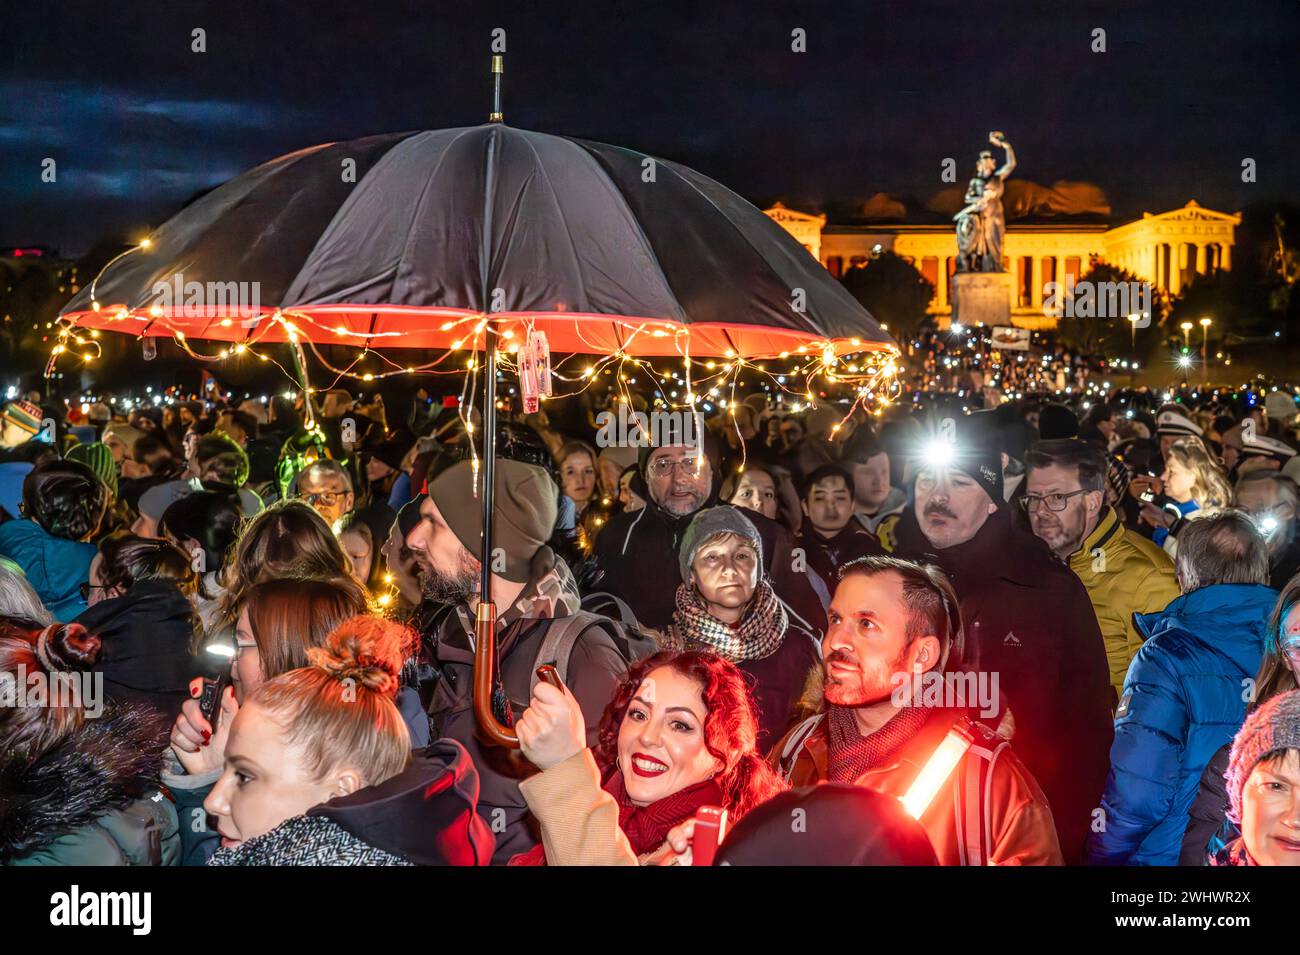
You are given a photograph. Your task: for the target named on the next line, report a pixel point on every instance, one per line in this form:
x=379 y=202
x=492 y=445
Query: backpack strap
x=595 y=603
x=557 y=646
x=976 y=801
x=794 y=745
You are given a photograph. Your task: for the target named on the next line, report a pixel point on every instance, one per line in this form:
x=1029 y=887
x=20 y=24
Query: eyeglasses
x=328 y=498
x=1054 y=502
x=88 y=587
x=665 y=466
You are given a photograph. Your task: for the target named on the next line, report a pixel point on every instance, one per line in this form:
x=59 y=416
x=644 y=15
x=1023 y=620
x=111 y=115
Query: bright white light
x=938 y=453
x=1184 y=361
x=955 y=328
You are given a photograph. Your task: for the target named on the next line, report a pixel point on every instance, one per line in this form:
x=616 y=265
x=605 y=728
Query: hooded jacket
x=55 y=566
x=422 y=816
x=1029 y=620
x=93 y=799
x=147 y=634
x=1016 y=818
x=1183 y=699
x=893 y=504
x=1125 y=574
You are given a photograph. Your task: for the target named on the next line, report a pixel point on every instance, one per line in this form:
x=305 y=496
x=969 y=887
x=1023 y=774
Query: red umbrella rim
x=368 y=326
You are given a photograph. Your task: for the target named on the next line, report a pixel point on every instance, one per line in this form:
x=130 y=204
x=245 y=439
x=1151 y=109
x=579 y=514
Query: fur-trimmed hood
x=104 y=765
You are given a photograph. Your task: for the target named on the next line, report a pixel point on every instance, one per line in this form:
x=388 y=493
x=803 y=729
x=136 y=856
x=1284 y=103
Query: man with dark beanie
x=1028 y=619
x=533 y=591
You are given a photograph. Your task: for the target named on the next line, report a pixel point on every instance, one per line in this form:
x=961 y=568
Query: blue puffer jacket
x=1184 y=697
x=55 y=566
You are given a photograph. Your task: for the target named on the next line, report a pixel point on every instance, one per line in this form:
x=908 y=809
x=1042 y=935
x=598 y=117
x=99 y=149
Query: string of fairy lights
x=871 y=376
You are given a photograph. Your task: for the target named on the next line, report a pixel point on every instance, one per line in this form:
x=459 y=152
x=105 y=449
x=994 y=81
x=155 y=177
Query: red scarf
x=646 y=827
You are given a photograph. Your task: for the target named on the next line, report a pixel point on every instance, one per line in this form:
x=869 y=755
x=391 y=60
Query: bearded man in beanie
x=636 y=553
x=533 y=591
x=1028 y=619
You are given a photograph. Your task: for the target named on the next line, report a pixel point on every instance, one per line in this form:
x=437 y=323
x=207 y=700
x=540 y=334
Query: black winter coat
x=147 y=635
x=1207 y=819
x=1029 y=620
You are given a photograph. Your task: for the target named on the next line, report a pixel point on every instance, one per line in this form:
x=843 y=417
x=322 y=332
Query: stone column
x=1036 y=282
x=942 y=290
x=1177 y=254
x=1202 y=253
x=1225 y=257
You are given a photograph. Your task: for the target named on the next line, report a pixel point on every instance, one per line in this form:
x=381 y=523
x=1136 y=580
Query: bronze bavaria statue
x=981 y=222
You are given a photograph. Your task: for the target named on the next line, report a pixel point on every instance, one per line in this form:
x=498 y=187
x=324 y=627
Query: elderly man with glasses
x=1123 y=572
x=327 y=486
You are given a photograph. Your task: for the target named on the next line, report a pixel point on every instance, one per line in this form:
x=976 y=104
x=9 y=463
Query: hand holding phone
x=710 y=829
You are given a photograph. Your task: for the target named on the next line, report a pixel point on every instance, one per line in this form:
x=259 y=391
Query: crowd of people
x=1030 y=633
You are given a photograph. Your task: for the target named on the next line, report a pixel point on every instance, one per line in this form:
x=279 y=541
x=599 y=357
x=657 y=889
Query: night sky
x=138 y=123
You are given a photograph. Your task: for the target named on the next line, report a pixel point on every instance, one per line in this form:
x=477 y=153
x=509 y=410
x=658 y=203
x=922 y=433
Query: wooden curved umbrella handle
x=485 y=652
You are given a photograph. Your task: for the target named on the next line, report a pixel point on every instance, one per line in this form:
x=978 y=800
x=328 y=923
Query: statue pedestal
x=981 y=297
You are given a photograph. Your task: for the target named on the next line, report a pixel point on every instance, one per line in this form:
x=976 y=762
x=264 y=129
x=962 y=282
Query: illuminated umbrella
x=469 y=238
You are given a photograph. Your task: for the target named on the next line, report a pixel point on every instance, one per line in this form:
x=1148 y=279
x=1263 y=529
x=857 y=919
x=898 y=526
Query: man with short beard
x=1028 y=619
x=890 y=622
x=532 y=589
x=1123 y=571
x=636 y=552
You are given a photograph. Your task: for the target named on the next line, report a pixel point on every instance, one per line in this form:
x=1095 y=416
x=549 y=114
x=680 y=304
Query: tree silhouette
x=893 y=291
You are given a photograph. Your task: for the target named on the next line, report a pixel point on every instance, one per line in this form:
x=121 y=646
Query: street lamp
x=1205 y=339
x=1187 y=330
x=1133 y=320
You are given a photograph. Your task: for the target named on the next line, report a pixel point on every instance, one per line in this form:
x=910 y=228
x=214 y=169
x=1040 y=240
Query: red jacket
x=989 y=812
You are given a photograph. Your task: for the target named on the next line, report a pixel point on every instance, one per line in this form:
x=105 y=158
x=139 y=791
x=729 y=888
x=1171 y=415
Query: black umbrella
x=462 y=237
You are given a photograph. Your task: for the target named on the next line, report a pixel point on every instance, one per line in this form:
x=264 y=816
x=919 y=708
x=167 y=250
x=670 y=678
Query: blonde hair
x=1210 y=487
x=339 y=710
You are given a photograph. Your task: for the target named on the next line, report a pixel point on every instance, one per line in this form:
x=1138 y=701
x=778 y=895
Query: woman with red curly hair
x=679 y=734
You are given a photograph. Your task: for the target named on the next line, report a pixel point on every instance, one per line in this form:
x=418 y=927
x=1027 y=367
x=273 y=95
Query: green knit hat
x=99 y=459
x=524 y=511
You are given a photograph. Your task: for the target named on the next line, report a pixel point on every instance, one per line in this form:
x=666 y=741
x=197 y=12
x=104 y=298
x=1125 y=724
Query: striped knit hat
x=99 y=459
x=1274 y=726
x=24 y=414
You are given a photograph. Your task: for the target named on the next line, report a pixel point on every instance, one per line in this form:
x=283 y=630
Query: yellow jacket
x=1124 y=574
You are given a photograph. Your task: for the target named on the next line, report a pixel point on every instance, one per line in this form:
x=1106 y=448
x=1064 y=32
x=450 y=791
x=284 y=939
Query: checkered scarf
x=757 y=635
